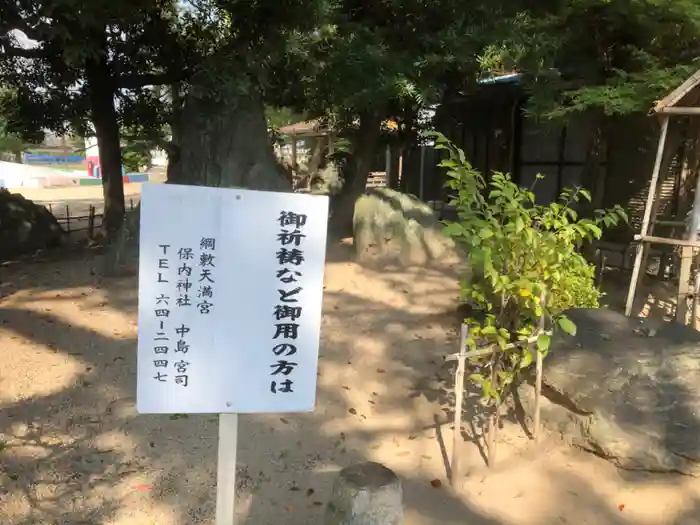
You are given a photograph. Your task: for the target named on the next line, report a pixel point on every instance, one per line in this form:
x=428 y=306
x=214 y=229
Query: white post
x=459 y=397
x=647 y=216
x=226 y=470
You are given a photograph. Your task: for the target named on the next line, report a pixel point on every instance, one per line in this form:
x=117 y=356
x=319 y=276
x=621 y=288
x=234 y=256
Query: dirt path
x=77 y=198
x=73 y=449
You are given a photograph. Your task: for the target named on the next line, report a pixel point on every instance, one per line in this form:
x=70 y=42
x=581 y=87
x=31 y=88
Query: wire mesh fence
x=83 y=222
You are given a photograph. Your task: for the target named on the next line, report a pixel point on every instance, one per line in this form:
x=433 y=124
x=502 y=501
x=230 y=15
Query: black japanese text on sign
x=171 y=353
x=288 y=311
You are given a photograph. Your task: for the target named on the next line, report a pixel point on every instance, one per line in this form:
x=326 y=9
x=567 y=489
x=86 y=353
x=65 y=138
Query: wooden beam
x=679 y=111
x=670 y=223
x=490 y=348
x=650 y=239
x=647 y=215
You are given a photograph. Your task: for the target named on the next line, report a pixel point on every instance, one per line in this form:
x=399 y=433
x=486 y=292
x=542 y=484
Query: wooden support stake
x=459 y=398
x=487 y=350
x=696 y=301
x=538 y=372
x=647 y=216
x=493 y=422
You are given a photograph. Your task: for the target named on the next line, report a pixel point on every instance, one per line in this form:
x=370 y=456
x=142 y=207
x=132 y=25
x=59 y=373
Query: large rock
x=394 y=227
x=25 y=226
x=628 y=397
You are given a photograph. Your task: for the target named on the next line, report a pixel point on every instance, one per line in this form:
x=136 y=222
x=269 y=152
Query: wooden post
x=647 y=216
x=91 y=222
x=459 y=398
x=294 y=153
x=685 y=286
x=493 y=420
x=538 y=370
x=696 y=300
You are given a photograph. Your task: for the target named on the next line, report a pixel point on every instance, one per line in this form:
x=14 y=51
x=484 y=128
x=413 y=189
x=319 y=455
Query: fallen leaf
x=290 y=507
x=371 y=402
x=346 y=387
x=294 y=489
x=284 y=421
x=621 y=507
x=436 y=483
x=353 y=411
x=411 y=438
x=425 y=456
x=309 y=492
x=143 y=487
x=317 y=503
x=381 y=371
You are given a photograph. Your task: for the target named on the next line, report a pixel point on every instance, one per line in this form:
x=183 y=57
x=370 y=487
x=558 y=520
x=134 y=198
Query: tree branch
x=9 y=51
x=150 y=79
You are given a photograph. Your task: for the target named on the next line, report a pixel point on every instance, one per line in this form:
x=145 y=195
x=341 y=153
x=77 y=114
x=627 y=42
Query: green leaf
x=567 y=325
x=453 y=229
x=543 y=342
x=485 y=233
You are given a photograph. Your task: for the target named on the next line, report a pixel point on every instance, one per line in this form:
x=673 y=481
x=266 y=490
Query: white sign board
x=230 y=293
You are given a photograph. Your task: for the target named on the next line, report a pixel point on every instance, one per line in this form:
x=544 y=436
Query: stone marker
x=366 y=494
x=397 y=228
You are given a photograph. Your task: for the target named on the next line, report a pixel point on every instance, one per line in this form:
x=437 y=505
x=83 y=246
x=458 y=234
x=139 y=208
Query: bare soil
x=73 y=450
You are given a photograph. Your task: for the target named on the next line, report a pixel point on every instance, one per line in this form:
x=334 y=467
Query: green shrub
x=525 y=265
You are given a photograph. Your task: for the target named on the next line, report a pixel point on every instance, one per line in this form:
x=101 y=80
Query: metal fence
x=81 y=223
x=87 y=222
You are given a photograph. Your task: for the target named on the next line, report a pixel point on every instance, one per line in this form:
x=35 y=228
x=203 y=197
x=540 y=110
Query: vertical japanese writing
x=287 y=312
x=161 y=311
x=205 y=293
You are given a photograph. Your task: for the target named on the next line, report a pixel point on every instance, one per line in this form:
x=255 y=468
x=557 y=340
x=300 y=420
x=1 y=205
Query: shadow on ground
x=73 y=449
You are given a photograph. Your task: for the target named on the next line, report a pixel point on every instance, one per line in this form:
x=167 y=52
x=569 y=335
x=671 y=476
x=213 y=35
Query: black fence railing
x=76 y=223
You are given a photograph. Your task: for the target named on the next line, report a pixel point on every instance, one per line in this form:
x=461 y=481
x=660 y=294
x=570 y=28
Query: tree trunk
x=101 y=90
x=225 y=144
x=365 y=147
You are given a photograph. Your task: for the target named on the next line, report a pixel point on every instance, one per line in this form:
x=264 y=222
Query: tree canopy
x=207 y=69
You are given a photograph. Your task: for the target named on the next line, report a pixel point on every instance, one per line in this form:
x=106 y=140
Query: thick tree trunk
x=101 y=90
x=364 y=150
x=225 y=144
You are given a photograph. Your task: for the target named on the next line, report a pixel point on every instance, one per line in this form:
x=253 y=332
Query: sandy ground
x=74 y=451
x=77 y=198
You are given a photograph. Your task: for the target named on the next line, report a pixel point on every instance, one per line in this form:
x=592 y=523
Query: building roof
x=306 y=128
x=685 y=95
